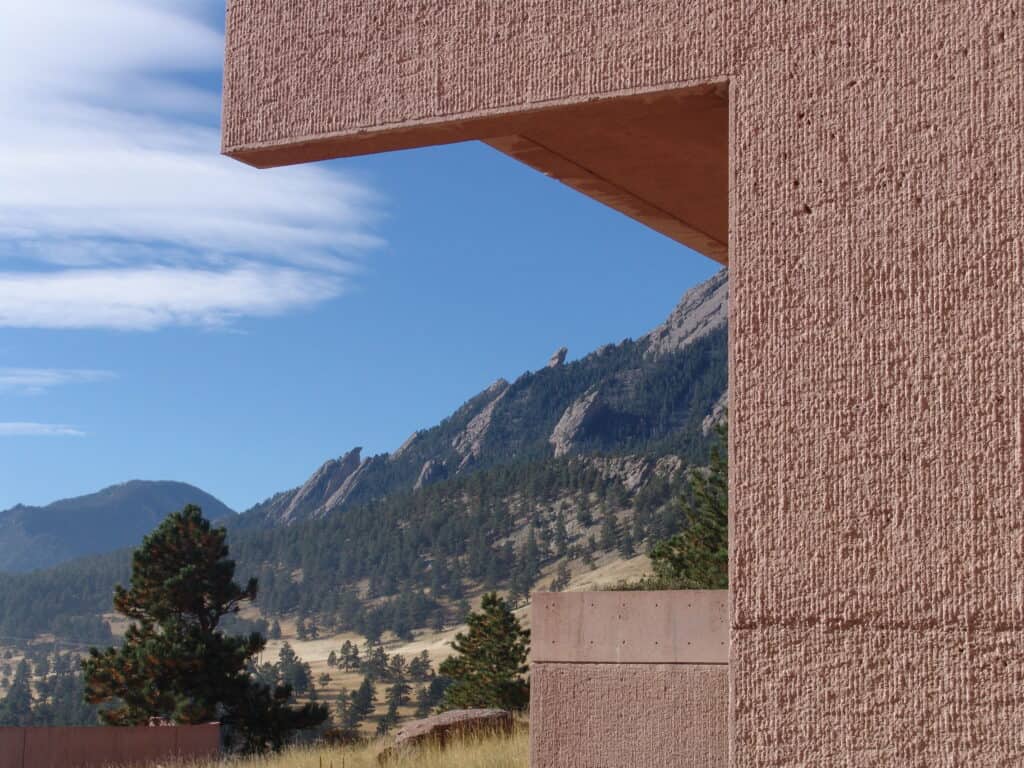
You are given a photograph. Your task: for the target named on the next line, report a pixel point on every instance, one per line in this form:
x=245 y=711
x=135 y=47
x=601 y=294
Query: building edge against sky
x=870 y=205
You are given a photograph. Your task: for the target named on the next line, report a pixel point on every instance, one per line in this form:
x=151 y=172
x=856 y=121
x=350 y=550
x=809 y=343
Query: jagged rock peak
x=323 y=484
x=397 y=454
x=432 y=471
x=497 y=388
x=570 y=427
x=717 y=414
x=469 y=443
x=558 y=358
x=703 y=309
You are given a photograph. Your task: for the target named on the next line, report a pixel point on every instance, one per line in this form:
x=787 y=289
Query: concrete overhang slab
x=661 y=158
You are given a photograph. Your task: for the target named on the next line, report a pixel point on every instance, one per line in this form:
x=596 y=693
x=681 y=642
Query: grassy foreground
x=486 y=752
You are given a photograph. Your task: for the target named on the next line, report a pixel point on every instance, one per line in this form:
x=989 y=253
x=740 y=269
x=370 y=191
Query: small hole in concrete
x=806 y=209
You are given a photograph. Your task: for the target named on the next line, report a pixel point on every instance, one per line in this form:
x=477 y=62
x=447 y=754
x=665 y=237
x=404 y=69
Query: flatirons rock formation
x=622 y=397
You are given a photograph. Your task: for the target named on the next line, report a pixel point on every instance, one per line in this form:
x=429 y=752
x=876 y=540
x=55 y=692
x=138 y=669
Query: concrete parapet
x=630 y=680
x=83 y=747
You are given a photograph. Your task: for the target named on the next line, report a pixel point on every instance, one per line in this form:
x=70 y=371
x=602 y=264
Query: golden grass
x=482 y=752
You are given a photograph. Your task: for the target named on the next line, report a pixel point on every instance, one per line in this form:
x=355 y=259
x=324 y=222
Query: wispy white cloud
x=149 y=298
x=35 y=429
x=116 y=210
x=34 y=381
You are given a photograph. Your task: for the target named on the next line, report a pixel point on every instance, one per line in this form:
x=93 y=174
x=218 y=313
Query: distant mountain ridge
x=570 y=464
x=663 y=388
x=115 y=517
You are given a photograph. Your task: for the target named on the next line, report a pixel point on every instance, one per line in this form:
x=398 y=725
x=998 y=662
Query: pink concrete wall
x=104 y=746
x=876 y=250
x=621 y=679
x=629 y=716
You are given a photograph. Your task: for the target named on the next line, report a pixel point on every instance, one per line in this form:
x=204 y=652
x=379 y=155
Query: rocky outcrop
x=574 y=419
x=401 y=450
x=558 y=359
x=323 y=484
x=703 y=309
x=439 y=729
x=636 y=471
x=717 y=414
x=433 y=471
x=347 y=488
x=469 y=443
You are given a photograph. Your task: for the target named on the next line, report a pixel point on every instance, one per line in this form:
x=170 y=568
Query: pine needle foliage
x=489 y=663
x=176 y=662
x=698 y=556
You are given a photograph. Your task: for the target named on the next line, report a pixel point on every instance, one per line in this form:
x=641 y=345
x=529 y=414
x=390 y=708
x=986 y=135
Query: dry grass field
x=488 y=752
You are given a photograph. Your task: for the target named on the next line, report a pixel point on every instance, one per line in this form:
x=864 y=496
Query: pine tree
x=16 y=706
x=363 y=701
x=562 y=577
x=490 y=660
x=698 y=556
x=176 y=662
x=609 y=532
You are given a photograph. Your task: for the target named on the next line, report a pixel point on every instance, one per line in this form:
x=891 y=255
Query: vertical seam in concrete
x=730 y=388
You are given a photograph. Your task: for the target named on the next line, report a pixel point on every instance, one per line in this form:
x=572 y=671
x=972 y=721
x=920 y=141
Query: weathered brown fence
x=630 y=680
x=104 y=746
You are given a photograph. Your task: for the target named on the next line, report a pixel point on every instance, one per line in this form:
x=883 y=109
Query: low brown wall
x=104 y=746
x=630 y=680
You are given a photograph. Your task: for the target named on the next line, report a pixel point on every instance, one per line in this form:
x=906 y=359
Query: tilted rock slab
x=438 y=729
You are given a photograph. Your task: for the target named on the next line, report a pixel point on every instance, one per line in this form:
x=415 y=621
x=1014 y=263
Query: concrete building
x=860 y=167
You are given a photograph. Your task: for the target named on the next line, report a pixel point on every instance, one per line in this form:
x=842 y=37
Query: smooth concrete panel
x=629 y=716
x=12 y=747
x=672 y=627
x=876 y=252
x=82 y=747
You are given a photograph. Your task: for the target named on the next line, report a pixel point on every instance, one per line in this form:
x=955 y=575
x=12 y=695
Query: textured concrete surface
x=629 y=716
x=876 y=252
x=672 y=627
x=81 y=747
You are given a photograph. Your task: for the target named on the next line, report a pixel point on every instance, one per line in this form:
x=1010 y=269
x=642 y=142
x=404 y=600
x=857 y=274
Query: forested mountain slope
x=642 y=396
x=116 y=517
x=530 y=478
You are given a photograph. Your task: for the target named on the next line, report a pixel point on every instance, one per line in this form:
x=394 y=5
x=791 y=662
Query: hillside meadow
x=484 y=752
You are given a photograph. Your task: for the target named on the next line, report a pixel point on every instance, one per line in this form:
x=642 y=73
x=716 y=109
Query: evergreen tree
x=490 y=660
x=16 y=706
x=386 y=723
x=176 y=662
x=562 y=577
x=698 y=556
x=609 y=532
x=363 y=701
x=398 y=693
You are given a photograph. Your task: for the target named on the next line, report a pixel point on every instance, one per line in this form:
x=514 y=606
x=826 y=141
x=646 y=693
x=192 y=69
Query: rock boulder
x=458 y=723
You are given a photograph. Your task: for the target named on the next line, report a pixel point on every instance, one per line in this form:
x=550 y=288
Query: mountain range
x=115 y=517
x=577 y=460
x=654 y=393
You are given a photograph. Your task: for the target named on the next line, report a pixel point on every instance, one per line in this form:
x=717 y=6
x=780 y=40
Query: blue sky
x=167 y=313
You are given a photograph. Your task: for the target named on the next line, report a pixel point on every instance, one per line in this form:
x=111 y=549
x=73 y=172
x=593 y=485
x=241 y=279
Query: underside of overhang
x=661 y=158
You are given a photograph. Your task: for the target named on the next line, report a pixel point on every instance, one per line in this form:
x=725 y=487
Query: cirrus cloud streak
x=116 y=209
x=35 y=429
